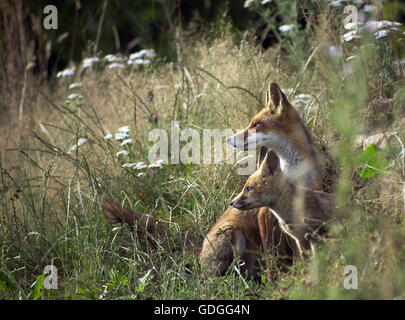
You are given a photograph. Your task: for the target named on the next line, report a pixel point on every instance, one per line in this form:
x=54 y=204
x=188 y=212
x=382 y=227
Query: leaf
x=37 y=286
x=369 y=162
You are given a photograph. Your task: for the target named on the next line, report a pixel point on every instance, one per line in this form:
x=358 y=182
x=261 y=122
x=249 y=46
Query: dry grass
x=51 y=205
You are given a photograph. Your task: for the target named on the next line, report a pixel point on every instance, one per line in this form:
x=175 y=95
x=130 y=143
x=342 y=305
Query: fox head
x=263 y=187
x=269 y=125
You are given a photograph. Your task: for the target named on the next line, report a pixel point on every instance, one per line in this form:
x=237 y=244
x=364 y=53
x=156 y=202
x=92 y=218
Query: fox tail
x=147 y=229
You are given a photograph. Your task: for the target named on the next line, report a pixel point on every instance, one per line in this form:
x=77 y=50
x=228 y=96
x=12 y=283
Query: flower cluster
x=89 y=62
x=66 y=73
x=123 y=135
x=380 y=29
x=140 y=58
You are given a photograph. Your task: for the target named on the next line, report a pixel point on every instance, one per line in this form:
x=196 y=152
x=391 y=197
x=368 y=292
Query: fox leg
x=217 y=252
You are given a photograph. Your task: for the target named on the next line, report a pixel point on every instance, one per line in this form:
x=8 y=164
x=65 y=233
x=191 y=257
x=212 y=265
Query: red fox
x=246 y=234
x=300 y=211
x=238 y=232
x=235 y=232
x=279 y=127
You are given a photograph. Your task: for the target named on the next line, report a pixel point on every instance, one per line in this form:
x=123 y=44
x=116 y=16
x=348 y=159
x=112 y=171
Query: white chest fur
x=296 y=168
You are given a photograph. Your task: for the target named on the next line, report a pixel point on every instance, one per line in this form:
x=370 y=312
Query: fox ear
x=278 y=101
x=262 y=155
x=271 y=163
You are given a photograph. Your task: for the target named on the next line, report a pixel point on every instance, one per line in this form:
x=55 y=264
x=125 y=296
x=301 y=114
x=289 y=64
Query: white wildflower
x=75 y=96
x=122 y=152
x=351 y=25
x=112 y=58
x=108 y=136
x=383 y=33
x=140 y=174
x=286 y=28
x=337 y=3
x=380 y=34
x=303 y=96
x=124 y=129
x=88 y=62
x=116 y=65
x=248 y=3
x=139 y=62
x=75 y=85
x=265 y=1
x=137 y=165
x=145 y=53
x=351 y=35
x=121 y=136
x=140 y=166
x=66 y=73
x=302 y=99
x=126 y=141
x=155 y=165
x=374 y=25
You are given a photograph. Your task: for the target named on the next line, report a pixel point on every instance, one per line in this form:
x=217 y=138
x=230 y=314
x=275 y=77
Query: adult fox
x=279 y=127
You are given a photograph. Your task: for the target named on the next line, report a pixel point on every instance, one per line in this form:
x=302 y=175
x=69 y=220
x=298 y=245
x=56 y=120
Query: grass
x=50 y=197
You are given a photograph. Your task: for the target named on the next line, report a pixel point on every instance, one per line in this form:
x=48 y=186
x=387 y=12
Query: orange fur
x=238 y=232
x=279 y=127
x=235 y=231
x=300 y=211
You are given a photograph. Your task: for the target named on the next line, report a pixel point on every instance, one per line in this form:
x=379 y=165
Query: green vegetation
x=57 y=160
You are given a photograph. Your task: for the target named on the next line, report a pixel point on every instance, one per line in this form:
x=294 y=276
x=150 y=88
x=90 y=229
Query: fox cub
x=243 y=233
x=300 y=211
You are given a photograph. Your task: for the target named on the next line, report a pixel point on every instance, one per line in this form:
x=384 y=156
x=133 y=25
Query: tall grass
x=50 y=193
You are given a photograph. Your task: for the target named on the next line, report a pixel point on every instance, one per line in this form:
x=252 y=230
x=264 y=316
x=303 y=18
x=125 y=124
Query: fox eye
x=248 y=189
x=256 y=124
